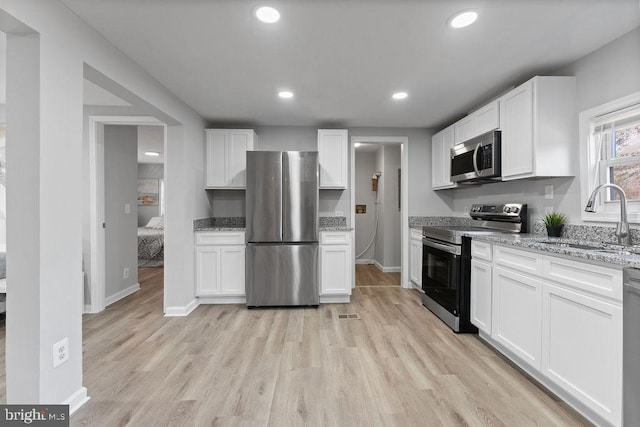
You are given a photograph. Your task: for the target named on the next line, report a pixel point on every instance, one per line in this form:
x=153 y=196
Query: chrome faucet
x=622 y=231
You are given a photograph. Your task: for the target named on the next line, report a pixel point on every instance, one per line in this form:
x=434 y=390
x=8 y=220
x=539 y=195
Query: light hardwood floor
x=370 y=275
x=226 y=365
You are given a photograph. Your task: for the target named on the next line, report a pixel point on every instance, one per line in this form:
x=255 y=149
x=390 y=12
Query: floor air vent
x=348 y=316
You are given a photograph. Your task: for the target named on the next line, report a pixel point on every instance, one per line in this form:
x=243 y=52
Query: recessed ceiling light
x=399 y=95
x=151 y=153
x=463 y=19
x=267 y=14
x=285 y=94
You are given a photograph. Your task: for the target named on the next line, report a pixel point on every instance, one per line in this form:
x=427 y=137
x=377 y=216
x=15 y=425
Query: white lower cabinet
x=336 y=266
x=516 y=317
x=220 y=259
x=481 y=295
x=559 y=318
x=582 y=348
x=415 y=257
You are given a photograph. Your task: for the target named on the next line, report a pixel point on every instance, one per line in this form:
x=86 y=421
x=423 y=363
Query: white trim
x=586 y=168
x=76 y=400
x=364 y=261
x=87 y=309
x=182 y=311
x=223 y=299
x=96 y=200
x=122 y=294
x=404 y=208
x=387 y=269
x=335 y=299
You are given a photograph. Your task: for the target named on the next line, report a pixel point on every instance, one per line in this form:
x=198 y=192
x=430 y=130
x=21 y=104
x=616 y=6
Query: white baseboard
x=87 y=308
x=76 y=400
x=335 y=299
x=181 y=311
x=364 y=261
x=122 y=294
x=223 y=299
x=387 y=269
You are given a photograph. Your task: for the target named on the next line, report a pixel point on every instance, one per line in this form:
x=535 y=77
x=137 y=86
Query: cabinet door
x=335 y=270
x=232 y=270
x=207 y=270
x=481 y=295
x=516 y=120
x=516 y=315
x=332 y=157
x=216 y=154
x=582 y=348
x=441 y=144
x=487 y=118
x=239 y=142
x=464 y=129
x=415 y=261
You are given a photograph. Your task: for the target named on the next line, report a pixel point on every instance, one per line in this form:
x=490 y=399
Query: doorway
x=378 y=209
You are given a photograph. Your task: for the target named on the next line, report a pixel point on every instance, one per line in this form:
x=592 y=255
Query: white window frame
x=609 y=211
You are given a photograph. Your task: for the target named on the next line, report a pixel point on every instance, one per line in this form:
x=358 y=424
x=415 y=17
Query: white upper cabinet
x=333 y=158
x=481 y=121
x=441 y=144
x=537 y=120
x=226 y=157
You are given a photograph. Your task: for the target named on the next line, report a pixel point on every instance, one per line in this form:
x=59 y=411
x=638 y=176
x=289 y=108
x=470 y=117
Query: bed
x=151 y=243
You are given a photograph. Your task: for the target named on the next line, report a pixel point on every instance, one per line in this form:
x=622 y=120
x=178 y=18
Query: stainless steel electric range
x=446 y=259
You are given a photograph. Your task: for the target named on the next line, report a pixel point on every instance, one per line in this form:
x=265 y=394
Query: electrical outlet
x=548 y=192
x=60 y=352
x=127 y=208
x=125 y=273
x=339 y=213
x=466 y=210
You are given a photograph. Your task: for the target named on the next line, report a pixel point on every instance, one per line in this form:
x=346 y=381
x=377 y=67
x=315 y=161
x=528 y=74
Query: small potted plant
x=554 y=221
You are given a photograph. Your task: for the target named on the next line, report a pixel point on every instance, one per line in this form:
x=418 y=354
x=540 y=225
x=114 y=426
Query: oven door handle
x=450 y=249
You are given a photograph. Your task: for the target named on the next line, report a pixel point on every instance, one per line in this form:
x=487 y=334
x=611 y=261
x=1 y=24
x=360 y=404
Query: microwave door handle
x=475 y=159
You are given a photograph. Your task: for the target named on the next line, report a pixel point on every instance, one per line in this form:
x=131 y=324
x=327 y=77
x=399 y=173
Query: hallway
x=370 y=275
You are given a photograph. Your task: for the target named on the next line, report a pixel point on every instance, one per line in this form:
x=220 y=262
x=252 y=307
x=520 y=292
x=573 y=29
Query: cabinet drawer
x=335 y=238
x=220 y=238
x=517 y=259
x=481 y=250
x=591 y=278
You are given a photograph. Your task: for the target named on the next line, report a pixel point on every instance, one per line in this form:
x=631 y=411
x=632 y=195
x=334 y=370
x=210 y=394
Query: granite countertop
x=618 y=255
x=239 y=224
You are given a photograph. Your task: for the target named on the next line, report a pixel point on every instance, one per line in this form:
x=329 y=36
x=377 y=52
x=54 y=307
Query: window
x=610 y=136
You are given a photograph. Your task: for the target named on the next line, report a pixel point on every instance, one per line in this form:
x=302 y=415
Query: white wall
x=391 y=225
x=121 y=241
x=608 y=73
x=365 y=223
x=44 y=93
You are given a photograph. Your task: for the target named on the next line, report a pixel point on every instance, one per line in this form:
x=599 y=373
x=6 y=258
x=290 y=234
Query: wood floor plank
x=225 y=365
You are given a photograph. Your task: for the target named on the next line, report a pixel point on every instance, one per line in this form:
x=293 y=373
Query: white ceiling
x=343 y=59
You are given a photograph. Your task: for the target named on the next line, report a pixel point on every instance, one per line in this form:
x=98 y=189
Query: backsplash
x=588 y=232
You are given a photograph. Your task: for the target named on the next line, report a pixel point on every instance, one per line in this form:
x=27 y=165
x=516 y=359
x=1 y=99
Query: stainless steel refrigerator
x=282 y=228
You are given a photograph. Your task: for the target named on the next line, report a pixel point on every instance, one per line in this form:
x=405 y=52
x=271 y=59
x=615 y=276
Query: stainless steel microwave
x=477 y=160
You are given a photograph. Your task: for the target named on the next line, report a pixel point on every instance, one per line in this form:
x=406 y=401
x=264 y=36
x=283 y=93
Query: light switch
x=339 y=213
x=127 y=208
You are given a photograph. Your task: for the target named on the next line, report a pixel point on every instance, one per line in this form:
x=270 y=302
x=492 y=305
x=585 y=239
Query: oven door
x=441 y=273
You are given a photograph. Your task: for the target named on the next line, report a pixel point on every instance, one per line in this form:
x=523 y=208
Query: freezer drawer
x=282 y=275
